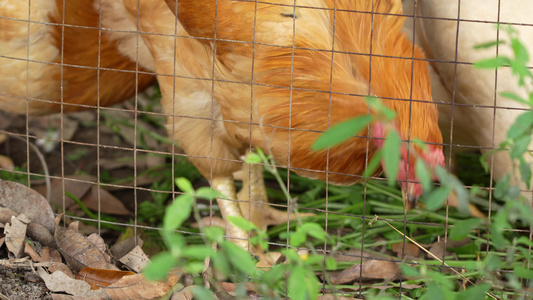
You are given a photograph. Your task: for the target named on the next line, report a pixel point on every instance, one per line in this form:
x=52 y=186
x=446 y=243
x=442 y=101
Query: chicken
x=47 y=64
x=478 y=116
x=270 y=80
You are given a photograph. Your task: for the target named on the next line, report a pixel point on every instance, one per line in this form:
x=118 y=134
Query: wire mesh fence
x=210 y=82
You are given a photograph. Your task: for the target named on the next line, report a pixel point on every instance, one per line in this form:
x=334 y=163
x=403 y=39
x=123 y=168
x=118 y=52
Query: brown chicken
x=237 y=75
x=34 y=44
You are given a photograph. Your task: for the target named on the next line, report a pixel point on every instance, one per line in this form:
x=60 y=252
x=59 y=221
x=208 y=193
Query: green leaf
x=194 y=267
x=476 y=292
x=199 y=252
x=373 y=164
x=214 y=233
x=488 y=44
x=253 y=158
x=174 y=241
x=207 y=193
x=302 y=284
x=240 y=258
x=184 y=184
x=159 y=266
x=296 y=278
x=502 y=186
x=520 y=146
x=424 y=175
x=221 y=263
x=520 y=52
x=379 y=107
x=522 y=125
x=313 y=230
x=523 y=272
x=409 y=271
x=274 y=275
x=202 y=293
x=525 y=172
x=434 y=292
x=514 y=97
x=492 y=63
x=437 y=197
x=391 y=156
x=331 y=264
x=462 y=228
x=178 y=211
x=242 y=223
x=341 y=132
x=420 y=144
x=297 y=238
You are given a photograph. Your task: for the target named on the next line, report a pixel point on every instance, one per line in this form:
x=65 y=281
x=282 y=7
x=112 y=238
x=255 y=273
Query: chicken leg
x=254 y=203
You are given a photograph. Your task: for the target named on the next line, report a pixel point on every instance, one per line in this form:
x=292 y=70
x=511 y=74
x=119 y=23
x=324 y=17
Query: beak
x=409 y=200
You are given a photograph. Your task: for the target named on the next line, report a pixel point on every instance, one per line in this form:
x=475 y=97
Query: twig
x=44 y=164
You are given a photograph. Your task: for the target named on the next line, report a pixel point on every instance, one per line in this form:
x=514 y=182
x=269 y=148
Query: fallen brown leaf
x=411 y=250
x=125 y=246
x=98 y=278
x=109 y=204
x=23 y=200
x=371 y=269
x=77 y=185
x=33 y=255
x=78 y=251
x=136 y=259
x=137 y=287
x=59 y=282
x=15 y=235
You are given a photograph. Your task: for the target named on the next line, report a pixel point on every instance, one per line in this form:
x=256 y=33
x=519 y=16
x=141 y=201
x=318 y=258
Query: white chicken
x=473 y=114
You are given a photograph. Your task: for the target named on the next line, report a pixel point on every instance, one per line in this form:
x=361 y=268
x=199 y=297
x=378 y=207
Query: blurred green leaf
x=313 y=230
x=242 y=223
x=423 y=174
x=253 y=158
x=207 y=193
x=178 y=211
x=523 y=272
x=522 y=125
x=391 y=156
x=184 y=184
x=476 y=292
x=462 y=228
x=214 y=233
x=492 y=63
x=202 y=293
x=297 y=238
x=525 y=172
x=488 y=44
x=159 y=266
x=331 y=264
x=373 y=164
x=379 y=107
x=437 y=197
x=240 y=258
x=520 y=146
x=409 y=271
x=199 y=252
x=341 y=132
x=296 y=280
x=514 y=97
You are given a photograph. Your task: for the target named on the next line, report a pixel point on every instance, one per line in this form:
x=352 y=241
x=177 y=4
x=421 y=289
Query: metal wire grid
x=214 y=40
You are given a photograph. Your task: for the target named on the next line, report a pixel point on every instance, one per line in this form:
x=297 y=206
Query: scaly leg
x=258 y=210
x=226 y=186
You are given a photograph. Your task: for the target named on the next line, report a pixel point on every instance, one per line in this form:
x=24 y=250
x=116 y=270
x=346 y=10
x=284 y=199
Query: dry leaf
x=59 y=282
x=184 y=294
x=411 y=250
x=109 y=204
x=100 y=277
x=136 y=259
x=371 y=269
x=33 y=255
x=69 y=297
x=23 y=200
x=35 y=231
x=77 y=185
x=15 y=235
x=79 y=252
x=137 y=287
x=125 y=246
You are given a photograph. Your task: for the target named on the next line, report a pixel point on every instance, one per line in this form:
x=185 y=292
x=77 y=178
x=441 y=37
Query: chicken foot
x=258 y=210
